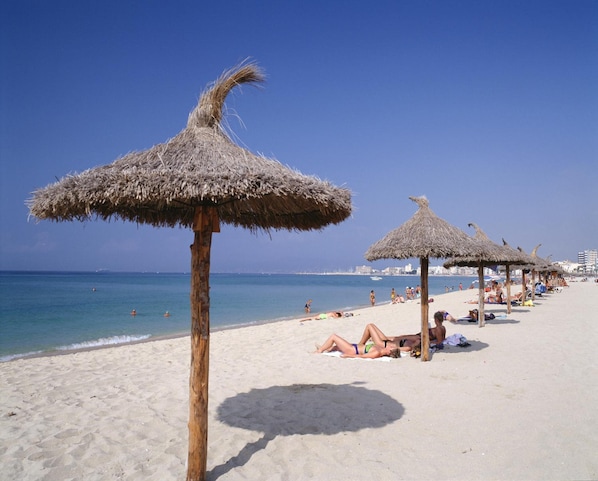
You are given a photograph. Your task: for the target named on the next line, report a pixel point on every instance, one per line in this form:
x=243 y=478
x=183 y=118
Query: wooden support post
x=206 y=218
x=481 y=315
x=508 y=282
x=425 y=309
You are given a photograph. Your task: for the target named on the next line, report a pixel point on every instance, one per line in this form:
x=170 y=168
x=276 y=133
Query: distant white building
x=363 y=270
x=588 y=260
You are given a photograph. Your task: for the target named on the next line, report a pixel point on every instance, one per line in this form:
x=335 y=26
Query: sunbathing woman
x=361 y=350
x=328 y=315
x=403 y=343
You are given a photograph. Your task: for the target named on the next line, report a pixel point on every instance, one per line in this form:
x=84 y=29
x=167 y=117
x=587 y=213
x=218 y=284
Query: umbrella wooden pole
x=481 y=316
x=508 y=281
x=205 y=222
x=425 y=310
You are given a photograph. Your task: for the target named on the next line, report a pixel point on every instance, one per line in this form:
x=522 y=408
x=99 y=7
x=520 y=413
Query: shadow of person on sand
x=303 y=409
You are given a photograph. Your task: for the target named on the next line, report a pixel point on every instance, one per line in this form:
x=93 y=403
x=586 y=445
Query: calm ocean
x=49 y=311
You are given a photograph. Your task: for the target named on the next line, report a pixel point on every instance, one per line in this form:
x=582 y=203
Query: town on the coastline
x=587 y=264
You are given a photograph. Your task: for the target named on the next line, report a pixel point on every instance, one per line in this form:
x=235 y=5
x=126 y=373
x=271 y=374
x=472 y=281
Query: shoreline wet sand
x=519 y=403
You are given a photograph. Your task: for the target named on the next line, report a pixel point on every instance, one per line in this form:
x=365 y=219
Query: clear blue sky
x=489 y=108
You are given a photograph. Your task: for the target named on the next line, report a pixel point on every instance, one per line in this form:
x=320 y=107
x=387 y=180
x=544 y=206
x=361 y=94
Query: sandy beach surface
x=520 y=403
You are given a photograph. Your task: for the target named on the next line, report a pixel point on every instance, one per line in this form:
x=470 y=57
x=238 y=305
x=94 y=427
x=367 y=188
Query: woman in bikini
x=406 y=342
x=403 y=343
x=361 y=350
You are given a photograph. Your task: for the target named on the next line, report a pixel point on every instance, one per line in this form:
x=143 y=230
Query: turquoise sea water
x=50 y=311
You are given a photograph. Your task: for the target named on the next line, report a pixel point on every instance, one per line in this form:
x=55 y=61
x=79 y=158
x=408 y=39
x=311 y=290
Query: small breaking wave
x=103 y=341
x=12 y=357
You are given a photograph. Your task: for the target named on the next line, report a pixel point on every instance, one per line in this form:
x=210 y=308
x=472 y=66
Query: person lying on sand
x=406 y=342
x=328 y=315
x=364 y=351
x=403 y=343
x=447 y=316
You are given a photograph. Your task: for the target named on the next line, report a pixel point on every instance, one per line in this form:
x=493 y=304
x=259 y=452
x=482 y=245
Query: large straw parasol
x=491 y=254
x=425 y=236
x=196 y=179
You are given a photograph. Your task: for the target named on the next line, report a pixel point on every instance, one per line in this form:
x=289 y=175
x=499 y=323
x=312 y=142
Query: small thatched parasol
x=196 y=179
x=534 y=266
x=525 y=269
x=491 y=254
x=425 y=236
x=524 y=260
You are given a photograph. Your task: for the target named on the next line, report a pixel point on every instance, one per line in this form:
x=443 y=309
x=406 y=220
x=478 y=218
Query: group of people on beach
x=374 y=343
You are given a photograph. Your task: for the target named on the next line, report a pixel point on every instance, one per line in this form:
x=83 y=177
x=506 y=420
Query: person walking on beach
x=393 y=294
x=365 y=351
x=372 y=297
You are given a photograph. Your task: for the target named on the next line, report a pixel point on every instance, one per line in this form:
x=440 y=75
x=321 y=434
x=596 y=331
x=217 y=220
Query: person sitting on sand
x=359 y=350
x=438 y=332
x=398 y=299
x=495 y=297
x=328 y=315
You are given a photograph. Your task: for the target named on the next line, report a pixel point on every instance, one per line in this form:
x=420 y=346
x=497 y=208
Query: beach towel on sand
x=456 y=340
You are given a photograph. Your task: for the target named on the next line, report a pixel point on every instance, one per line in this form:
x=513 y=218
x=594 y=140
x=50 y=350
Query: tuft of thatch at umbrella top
x=425 y=235
x=200 y=166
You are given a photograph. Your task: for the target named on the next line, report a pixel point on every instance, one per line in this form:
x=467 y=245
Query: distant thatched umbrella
x=196 y=179
x=532 y=265
x=524 y=259
x=491 y=254
x=536 y=265
x=425 y=235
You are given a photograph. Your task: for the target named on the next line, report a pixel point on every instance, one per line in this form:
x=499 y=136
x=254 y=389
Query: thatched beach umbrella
x=535 y=265
x=491 y=254
x=197 y=179
x=425 y=236
x=524 y=260
x=525 y=268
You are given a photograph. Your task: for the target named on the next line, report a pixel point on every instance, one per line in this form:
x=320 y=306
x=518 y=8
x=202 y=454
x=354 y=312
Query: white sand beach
x=518 y=404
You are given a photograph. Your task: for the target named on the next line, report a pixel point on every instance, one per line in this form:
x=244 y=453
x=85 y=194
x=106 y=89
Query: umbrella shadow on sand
x=303 y=409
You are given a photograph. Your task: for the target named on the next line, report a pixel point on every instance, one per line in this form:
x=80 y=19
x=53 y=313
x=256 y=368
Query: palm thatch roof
x=424 y=235
x=491 y=254
x=200 y=166
x=533 y=261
